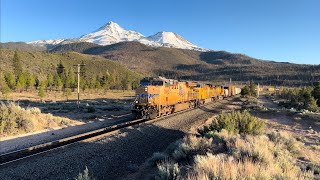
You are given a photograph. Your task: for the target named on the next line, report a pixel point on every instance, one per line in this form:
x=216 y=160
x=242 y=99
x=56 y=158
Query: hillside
x=42 y=63
x=195 y=65
x=22 y=46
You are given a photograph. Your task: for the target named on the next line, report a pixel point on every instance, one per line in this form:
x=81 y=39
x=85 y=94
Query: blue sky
x=281 y=30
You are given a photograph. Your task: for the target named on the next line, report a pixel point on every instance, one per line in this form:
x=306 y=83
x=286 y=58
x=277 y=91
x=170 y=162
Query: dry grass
x=227 y=155
x=246 y=157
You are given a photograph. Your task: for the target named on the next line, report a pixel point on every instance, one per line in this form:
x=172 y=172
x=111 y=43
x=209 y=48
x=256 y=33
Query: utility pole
x=78 y=79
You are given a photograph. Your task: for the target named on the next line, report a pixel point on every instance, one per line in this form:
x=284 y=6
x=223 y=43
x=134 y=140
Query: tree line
x=302 y=98
x=61 y=79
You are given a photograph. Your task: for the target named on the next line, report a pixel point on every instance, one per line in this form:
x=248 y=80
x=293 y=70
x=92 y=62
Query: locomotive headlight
x=145 y=89
x=137 y=102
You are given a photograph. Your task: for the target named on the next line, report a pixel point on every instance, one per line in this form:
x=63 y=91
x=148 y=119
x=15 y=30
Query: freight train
x=158 y=96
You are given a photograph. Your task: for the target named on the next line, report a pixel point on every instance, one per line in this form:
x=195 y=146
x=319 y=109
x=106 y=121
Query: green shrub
x=34 y=110
x=235 y=122
x=84 y=175
x=156 y=158
x=168 y=170
x=13 y=118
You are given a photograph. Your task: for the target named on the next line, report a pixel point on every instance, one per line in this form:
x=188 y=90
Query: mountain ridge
x=190 y=64
x=112 y=33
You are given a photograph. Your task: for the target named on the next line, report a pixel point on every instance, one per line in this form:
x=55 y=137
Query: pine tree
x=114 y=79
x=21 y=82
x=57 y=82
x=67 y=93
x=17 y=67
x=70 y=79
x=31 y=81
x=60 y=68
x=50 y=81
x=37 y=85
x=125 y=82
x=252 y=88
x=105 y=82
x=11 y=80
x=97 y=83
x=41 y=92
x=92 y=82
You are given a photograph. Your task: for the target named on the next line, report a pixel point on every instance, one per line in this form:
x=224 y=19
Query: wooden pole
x=78 y=72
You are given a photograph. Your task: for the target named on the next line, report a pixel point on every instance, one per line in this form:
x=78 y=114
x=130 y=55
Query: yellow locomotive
x=158 y=96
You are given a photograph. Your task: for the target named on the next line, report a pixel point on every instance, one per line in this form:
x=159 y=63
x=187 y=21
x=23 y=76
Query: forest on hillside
x=216 y=66
x=15 y=74
x=212 y=66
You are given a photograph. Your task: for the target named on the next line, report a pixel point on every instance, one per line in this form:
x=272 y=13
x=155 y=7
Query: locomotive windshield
x=145 y=82
x=157 y=83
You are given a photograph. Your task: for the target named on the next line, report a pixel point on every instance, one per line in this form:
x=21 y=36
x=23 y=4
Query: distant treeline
x=62 y=79
x=302 y=98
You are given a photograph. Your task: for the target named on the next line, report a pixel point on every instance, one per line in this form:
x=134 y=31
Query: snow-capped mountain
x=112 y=33
x=46 y=42
x=171 y=39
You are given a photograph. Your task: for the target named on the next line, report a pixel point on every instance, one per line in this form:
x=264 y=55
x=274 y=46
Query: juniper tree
x=316 y=92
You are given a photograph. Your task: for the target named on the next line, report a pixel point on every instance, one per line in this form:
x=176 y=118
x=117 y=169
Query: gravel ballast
x=114 y=156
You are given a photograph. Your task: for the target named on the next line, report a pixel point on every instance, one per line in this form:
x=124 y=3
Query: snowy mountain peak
x=171 y=39
x=112 y=33
x=111 y=25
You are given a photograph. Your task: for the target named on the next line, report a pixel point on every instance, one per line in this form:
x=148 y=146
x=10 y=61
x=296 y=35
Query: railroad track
x=25 y=153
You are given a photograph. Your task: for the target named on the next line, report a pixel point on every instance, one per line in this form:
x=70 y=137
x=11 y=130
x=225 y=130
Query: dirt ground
x=94 y=105
x=305 y=128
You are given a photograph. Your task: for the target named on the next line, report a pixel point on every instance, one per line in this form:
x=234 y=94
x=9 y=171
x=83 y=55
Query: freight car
x=158 y=96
